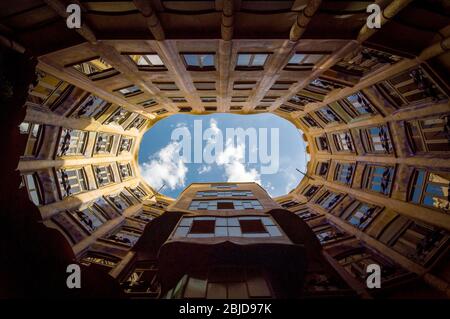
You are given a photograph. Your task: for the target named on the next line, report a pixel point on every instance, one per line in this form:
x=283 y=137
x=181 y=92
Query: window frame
x=198 y=67
x=251 y=67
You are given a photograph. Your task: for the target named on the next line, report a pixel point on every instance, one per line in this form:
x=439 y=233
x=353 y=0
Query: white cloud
x=232 y=159
x=165 y=167
x=204 y=169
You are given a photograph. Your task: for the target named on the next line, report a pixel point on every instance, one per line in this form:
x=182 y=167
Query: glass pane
x=142 y=61
x=296 y=58
x=259 y=59
x=191 y=59
x=243 y=59
x=155 y=60
x=207 y=60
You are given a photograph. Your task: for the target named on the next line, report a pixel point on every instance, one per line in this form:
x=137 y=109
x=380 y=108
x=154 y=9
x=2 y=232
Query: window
x=205 y=86
x=72 y=142
x=118 y=202
x=288 y=108
x=322 y=169
x=208 y=99
x=239 y=99
x=321 y=87
x=223 y=186
x=420 y=242
x=91 y=107
x=185 y=109
x=97 y=259
x=138 y=192
x=289 y=204
x=411 y=87
x=309 y=121
x=225 y=205
x=125 y=144
x=327 y=115
x=377 y=140
x=144 y=217
x=379 y=179
x=322 y=143
x=360 y=214
x=199 y=61
x=166 y=86
x=329 y=199
x=202 y=226
x=104 y=143
x=343 y=142
x=142 y=281
x=137 y=123
x=161 y=112
x=95 y=69
x=90 y=218
x=364 y=61
x=34 y=132
x=224 y=194
x=178 y=99
x=251 y=61
x=430 y=189
x=302 y=100
x=327 y=234
x=71 y=181
x=282 y=85
x=429 y=135
x=251 y=226
x=34 y=192
x=344 y=173
x=125 y=170
x=357 y=105
x=148 y=62
x=104 y=175
x=304 y=61
x=119 y=116
x=235 y=108
x=310 y=191
x=261 y=108
x=240 y=85
x=129 y=91
x=210 y=108
x=49 y=92
x=306 y=215
x=243 y=226
x=148 y=103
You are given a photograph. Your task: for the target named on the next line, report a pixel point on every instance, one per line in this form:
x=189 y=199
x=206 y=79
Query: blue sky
x=221 y=159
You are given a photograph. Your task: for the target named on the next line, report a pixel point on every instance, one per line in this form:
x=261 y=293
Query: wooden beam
x=387 y=14
x=272 y=72
x=181 y=76
x=319 y=69
x=303 y=18
x=224 y=65
x=227 y=20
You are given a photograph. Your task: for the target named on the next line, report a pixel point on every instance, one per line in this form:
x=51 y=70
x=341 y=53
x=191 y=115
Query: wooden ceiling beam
x=181 y=76
x=153 y=23
x=387 y=14
x=302 y=20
